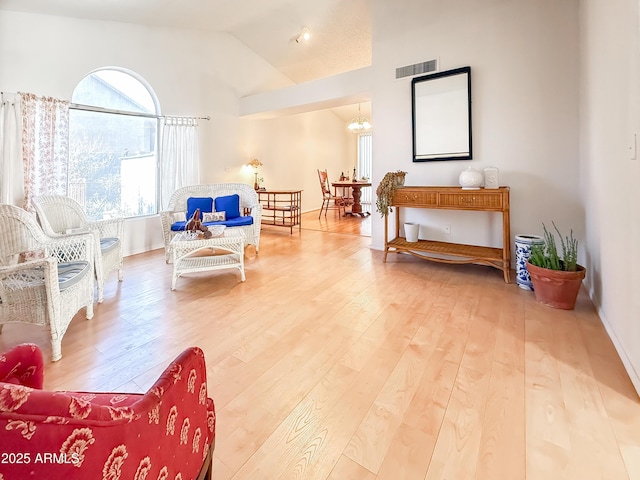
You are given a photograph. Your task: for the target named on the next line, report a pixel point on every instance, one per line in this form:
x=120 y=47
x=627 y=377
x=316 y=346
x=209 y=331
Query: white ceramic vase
x=471 y=179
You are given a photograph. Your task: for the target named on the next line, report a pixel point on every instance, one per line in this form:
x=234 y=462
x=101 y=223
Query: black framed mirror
x=441 y=115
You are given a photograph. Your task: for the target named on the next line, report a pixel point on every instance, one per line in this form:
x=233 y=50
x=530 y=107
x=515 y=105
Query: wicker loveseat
x=250 y=211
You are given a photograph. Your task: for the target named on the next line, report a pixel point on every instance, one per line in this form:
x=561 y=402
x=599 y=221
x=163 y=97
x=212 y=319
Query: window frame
x=157 y=116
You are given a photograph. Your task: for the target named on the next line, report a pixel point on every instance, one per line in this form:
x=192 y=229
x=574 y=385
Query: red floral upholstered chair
x=166 y=433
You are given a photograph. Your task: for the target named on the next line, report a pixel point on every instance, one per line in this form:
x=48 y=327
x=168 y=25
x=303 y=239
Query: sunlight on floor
x=333 y=222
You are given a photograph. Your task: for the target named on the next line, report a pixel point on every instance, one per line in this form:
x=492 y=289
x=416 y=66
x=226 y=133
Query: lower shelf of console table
x=458 y=252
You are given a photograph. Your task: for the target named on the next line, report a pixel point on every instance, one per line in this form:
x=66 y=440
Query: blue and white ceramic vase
x=523 y=252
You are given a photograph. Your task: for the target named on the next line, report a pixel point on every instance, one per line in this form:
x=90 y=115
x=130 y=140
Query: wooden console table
x=281 y=208
x=453 y=198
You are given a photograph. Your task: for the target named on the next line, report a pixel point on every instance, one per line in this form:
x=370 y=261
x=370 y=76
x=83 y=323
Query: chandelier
x=359 y=123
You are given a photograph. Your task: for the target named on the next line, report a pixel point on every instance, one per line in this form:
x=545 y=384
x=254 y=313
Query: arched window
x=113 y=132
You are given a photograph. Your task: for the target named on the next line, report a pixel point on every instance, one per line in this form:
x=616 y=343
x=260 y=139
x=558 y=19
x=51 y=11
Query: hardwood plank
x=347 y=468
x=378 y=429
x=220 y=470
x=456 y=451
x=592 y=437
x=619 y=398
x=548 y=439
x=502 y=445
x=411 y=450
x=408 y=455
x=502 y=442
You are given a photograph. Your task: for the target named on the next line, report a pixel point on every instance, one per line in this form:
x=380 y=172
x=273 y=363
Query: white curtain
x=45 y=146
x=179 y=156
x=365 y=155
x=11 y=169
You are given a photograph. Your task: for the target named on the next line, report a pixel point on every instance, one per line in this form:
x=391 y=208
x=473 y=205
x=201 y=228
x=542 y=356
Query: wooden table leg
x=356 y=208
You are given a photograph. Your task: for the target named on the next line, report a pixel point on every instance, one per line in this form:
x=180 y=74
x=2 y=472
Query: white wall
x=524 y=68
x=293 y=148
x=610 y=115
x=193 y=73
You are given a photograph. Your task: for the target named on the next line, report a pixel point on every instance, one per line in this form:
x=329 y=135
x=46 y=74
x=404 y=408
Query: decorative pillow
x=213 y=217
x=230 y=204
x=205 y=204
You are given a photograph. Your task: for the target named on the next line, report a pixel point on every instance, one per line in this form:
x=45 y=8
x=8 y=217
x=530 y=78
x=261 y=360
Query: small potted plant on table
x=386 y=190
x=556 y=280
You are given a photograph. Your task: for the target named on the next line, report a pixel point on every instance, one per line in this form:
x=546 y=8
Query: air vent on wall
x=416 y=69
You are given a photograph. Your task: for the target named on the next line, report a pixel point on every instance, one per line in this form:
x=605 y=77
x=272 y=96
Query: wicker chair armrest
x=70 y=248
x=169 y=214
x=256 y=212
x=8 y=270
x=111 y=227
x=167 y=219
x=15 y=279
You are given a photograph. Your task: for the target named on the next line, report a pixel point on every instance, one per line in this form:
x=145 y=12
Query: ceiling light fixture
x=305 y=34
x=359 y=123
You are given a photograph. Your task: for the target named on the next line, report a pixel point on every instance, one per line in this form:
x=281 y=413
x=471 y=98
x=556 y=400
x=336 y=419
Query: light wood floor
x=329 y=364
x=334 y=223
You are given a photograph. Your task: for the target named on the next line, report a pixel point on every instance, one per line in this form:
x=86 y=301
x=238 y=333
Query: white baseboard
x=626 y=361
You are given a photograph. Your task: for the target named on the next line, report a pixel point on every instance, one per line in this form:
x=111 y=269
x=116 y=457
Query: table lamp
x=255 y=163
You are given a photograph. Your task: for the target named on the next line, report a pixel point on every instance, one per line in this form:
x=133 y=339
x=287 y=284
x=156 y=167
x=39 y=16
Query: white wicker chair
x=45 y=291
x=178 y=206
x=58 y=214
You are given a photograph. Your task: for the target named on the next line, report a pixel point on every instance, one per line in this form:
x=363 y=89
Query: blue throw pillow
x=230 y=204
x=205 y=204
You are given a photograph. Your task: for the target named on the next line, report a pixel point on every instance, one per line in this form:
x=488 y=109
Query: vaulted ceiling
x=340 y=29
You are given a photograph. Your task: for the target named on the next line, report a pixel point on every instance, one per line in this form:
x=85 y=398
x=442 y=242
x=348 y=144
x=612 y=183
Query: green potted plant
x=386 y=190
x=556 y=279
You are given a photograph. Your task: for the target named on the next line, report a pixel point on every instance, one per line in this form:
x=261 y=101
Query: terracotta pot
x=556 y=288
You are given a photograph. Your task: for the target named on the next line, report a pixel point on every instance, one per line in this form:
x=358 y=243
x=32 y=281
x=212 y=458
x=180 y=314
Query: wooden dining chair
x=329 y=200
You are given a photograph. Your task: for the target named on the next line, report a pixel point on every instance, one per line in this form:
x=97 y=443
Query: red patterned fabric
x=22 y=365
x=163 y=434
